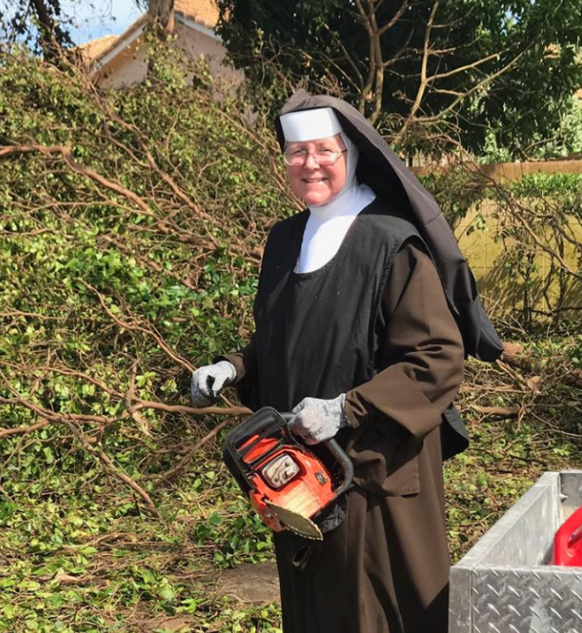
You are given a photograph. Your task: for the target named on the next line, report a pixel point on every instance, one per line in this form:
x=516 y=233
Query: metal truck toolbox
x=504 y=584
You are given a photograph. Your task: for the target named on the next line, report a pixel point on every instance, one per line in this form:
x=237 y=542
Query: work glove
x=317 y=420
x=209 y=381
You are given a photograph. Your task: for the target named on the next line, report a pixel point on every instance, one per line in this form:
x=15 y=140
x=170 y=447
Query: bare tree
x=42 y=22
x=438 y=68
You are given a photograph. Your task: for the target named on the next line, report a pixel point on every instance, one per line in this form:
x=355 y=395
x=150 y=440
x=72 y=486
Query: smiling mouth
x=313 y=180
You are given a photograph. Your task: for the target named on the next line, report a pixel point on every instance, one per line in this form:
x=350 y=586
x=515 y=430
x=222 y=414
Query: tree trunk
x=161 y=12
x=52 y=35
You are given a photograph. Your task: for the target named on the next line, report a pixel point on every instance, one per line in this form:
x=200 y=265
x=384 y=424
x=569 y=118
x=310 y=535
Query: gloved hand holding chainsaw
x=318 y=420
x=208 y=381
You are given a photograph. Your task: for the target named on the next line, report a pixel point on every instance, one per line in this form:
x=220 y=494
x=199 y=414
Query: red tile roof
x=95 y=48
x=96 y=53
x=204 y=12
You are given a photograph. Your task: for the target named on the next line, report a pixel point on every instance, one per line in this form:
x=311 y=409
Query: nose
x=310 y=162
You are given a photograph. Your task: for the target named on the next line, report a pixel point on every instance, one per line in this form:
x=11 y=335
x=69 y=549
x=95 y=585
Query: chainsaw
x=288 y=483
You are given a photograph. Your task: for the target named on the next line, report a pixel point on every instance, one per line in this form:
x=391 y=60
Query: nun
x=364 y=314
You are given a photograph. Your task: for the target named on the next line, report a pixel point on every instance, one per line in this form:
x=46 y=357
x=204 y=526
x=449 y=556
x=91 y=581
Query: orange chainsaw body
x=306 y=492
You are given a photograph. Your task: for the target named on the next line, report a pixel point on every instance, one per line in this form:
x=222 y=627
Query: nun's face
x=317 y=184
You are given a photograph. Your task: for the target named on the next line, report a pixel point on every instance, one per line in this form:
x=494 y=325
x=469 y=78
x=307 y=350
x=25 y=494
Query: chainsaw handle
x=340 y=455
x=259 y=424
x=264 y=419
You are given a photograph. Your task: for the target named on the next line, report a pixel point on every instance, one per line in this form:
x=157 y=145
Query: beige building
x=120 y=60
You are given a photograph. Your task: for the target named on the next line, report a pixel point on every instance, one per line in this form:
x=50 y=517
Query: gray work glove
x=209 y=381
x=318 y=420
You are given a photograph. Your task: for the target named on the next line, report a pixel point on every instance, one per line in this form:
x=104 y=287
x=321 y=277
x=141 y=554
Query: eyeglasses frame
x=337 y=152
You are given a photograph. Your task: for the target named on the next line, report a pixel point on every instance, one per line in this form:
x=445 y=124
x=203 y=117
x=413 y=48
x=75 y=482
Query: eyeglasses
x=323 y=157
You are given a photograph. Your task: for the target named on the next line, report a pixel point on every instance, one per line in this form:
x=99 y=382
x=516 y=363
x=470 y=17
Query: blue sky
x=94 y=18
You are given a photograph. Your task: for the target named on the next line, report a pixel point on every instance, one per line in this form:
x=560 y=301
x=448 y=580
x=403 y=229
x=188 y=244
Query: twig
x=502 y=412
x=109 y=466
x=15 y=313
x=139 y=328
x=176 y=408
x=170 y=474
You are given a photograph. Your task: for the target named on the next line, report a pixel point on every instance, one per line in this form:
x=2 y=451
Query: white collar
x=347 y=204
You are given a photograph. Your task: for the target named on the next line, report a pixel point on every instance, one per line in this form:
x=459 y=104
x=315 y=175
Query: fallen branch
x=19 y=313
x=501 y=412
x=513 y=356
x=65 y=152
x=148 y=262
x=22 y=430
x=71 y=420
x=177 y=408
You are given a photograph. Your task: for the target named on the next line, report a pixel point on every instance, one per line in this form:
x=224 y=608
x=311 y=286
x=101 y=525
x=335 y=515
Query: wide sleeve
x=420 y=353
x=245 y=364
x=244 y=360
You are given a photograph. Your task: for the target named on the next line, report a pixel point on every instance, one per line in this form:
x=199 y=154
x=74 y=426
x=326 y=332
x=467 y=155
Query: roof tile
x=95 y=48
x=204 y=12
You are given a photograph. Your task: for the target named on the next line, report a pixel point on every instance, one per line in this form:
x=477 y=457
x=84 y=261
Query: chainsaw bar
x=301 y=525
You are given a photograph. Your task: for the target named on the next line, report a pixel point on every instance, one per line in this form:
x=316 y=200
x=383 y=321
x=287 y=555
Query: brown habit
x=385 y=568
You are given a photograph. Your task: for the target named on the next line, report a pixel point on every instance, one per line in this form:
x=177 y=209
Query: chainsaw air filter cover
x=288 y=483
x=280 y=470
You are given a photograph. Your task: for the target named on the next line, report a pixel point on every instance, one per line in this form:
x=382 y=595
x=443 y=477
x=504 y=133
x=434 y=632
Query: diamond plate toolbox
x=504 y=584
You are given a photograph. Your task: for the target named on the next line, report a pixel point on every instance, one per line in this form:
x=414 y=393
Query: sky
x=95 y=18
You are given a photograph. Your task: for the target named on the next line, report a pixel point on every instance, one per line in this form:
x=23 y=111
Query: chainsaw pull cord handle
x=339 y=454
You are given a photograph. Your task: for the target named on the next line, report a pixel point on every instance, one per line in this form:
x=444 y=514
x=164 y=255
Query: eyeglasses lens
x=323 y=159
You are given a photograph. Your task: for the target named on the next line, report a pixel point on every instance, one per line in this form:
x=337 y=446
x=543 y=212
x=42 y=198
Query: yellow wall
x=503 y=172
x=490 y=256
